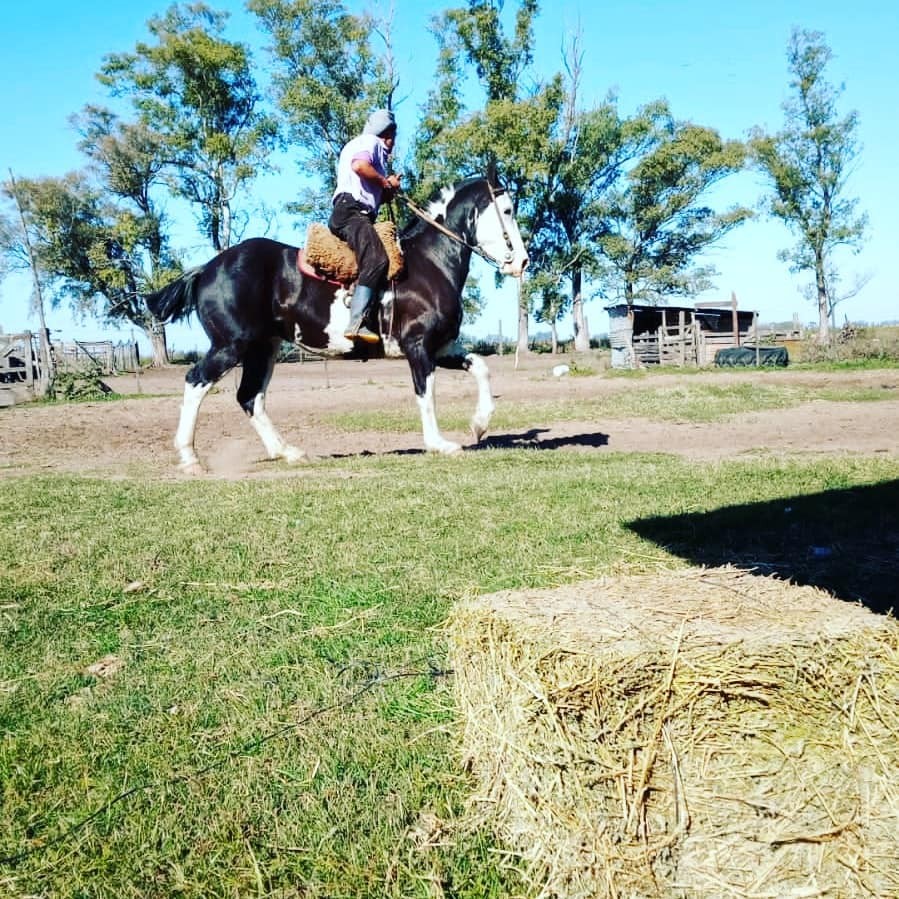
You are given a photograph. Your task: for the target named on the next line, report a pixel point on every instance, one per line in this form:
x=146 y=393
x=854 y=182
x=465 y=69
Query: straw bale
x=700 y=733
x=333 y=258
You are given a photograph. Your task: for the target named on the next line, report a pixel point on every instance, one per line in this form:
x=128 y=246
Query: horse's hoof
x=192 y=469
x=478 y=430
x=292 y=455
x=445 y=448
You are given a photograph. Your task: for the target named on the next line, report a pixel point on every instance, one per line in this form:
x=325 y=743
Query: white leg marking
x=187 y=425
x=272 y=441
x=391 y=345
x=434 y=440
x=485 y=407
x=337 y=324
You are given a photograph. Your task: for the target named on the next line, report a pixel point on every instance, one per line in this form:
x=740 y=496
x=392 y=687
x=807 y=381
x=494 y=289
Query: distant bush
x=188 y=357
x=856 y=344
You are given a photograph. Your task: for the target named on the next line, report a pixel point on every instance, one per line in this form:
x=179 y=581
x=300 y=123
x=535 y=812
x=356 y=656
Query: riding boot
x=356 y=330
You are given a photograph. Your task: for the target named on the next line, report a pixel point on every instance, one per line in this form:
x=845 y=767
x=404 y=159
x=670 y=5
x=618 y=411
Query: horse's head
x=478 y=214
x=497 y=232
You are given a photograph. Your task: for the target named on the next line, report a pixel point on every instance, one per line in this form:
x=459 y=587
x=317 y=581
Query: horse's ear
x=492 y=176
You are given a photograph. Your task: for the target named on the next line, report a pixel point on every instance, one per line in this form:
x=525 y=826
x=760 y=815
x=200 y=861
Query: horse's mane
x=417 y=225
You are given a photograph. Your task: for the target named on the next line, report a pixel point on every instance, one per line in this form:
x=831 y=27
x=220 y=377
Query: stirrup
x=363 y=334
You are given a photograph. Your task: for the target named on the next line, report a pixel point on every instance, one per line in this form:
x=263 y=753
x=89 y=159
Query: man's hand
x=389 y=186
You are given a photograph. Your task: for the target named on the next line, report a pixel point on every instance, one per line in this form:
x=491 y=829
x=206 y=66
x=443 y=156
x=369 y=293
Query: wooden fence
x=20 y=362
x=19 y=367
x=104 y=356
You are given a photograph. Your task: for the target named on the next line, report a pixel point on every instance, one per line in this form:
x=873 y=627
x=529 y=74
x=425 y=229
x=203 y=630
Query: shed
x=677 y=335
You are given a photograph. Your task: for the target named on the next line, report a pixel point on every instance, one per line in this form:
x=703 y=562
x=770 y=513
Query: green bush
x=80 y=386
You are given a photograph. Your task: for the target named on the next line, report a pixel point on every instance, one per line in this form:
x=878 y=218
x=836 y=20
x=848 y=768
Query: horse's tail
x=176 y=300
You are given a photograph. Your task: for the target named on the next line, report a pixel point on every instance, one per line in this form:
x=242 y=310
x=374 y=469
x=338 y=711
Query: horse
x=258 y=293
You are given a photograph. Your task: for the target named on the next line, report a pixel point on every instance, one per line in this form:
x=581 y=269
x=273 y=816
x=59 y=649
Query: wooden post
x=755 y=328
x=29 y=360
x=735 y=319
x=681 y=338
x=136 y=361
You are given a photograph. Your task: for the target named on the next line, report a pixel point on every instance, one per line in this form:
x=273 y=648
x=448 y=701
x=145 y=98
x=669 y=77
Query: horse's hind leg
x=197 y=383
x=477 y=368
x=258 y=365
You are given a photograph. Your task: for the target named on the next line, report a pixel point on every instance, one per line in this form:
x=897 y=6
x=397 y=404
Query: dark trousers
x=354 y=223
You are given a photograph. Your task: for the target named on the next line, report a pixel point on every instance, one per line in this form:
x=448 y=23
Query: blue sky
x=720 y=65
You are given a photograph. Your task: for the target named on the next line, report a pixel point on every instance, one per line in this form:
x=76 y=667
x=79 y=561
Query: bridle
x=510 y=252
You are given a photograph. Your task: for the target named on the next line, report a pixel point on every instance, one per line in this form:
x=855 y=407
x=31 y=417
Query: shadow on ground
x=843 y=541
x=531 y=440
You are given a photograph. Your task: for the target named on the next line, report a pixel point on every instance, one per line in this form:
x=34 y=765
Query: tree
x=128 y=161
x=512 y=127
x=327 y=81
x=655 y=225
x=17 y=252
x=808 y=164
x=196 y=91
x=87 y=250
x=587 y=153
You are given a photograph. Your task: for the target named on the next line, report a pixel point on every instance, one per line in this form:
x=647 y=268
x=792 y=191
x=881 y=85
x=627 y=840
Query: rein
x=417 y=210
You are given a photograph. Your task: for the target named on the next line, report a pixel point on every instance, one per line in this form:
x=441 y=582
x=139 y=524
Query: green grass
x=651 y=398
x=282 y=723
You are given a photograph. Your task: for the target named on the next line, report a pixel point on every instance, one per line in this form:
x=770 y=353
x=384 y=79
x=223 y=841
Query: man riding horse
x=362 y=185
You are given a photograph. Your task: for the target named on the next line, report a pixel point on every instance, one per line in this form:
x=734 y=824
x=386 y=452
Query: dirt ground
x=133 y=437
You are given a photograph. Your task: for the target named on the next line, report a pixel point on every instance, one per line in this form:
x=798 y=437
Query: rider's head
x=383 y=124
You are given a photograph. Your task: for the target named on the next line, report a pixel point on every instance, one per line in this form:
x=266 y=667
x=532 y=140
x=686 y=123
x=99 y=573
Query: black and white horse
x=255 y=295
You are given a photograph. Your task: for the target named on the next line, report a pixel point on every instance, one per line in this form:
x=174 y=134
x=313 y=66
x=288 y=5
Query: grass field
x=273 y=713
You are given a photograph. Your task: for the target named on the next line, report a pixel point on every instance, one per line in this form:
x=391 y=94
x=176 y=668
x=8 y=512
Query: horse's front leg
x=455 y=357
x=422 y=367
x=480 y=421
x=258 y=365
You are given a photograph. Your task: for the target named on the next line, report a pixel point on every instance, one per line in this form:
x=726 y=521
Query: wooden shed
x=677 y=335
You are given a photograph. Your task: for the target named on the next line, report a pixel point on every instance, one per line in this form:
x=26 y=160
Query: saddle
x=331 y=258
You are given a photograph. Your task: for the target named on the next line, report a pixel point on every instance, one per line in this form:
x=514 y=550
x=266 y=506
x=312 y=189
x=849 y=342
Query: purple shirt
x=371 y=148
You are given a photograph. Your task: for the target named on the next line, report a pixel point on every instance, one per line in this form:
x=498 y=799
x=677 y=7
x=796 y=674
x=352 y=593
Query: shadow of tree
x=843 y=541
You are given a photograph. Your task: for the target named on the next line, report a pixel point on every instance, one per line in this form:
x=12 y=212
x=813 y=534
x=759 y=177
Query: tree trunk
x=821 y=285
x=553 y=330
x=581 y=337
x=522 y=322
x=156 y=336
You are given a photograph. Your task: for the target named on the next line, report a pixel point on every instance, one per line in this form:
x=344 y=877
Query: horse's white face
x=498 y=236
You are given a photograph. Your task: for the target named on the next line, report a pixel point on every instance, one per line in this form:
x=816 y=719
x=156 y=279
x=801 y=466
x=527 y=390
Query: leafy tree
x=808 y=164
x=327 y=81
x=128 y=163
x=512 y=127
x=196 y=91
x=87 y=250
x=587 y=154
x=655 y=224
x=17 y=252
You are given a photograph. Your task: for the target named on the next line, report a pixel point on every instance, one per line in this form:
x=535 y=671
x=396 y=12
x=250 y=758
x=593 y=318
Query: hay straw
x=702 y=733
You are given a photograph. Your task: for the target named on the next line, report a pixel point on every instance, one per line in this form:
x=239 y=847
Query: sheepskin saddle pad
x=332 y=258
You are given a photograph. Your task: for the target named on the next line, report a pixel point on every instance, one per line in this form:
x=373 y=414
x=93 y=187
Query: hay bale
x=702 y=733
x=332 y=257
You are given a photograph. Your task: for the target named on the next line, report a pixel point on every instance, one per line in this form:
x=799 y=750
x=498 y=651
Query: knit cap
x=379 y=121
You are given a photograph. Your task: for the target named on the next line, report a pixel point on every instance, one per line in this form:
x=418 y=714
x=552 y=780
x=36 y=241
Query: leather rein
x=457 y=238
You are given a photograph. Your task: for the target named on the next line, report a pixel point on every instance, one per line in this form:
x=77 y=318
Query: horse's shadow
x=531 y=440
x=525 y=440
